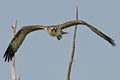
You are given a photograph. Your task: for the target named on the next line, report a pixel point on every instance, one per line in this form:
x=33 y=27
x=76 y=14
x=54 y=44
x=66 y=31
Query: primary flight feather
x=55 y=31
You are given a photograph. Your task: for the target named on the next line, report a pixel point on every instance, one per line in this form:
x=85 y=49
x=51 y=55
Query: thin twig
x=73 y=49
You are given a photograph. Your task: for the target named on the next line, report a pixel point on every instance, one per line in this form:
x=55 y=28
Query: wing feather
x=18 y=39
x=80 y=22
x=98 y=32
x=14 y=45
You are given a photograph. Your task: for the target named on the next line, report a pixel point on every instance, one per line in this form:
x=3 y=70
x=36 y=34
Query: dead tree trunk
x=14 y=77
x=73 y=49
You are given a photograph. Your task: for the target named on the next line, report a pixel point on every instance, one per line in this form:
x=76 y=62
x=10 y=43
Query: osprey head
x=55 y=32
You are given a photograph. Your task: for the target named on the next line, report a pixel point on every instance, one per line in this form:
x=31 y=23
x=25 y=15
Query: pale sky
x=42 y=57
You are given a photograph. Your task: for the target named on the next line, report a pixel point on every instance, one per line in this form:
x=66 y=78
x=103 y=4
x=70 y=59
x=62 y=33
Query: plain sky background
x=42 y=57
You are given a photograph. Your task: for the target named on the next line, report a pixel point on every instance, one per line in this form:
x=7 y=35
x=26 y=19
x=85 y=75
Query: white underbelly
x=54 y=34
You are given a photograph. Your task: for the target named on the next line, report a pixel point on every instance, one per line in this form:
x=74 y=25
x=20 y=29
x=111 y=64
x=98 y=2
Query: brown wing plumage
x=18 y=39
x=9 y=53
x=110 y=40
x=76 y=22
x=14 y=45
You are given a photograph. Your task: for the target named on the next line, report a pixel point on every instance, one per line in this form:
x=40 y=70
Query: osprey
x=54 y=31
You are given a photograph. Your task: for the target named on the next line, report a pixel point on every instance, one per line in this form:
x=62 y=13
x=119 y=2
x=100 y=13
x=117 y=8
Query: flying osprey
x=55 y=31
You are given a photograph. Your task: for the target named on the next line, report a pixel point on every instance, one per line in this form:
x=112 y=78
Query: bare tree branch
x=13 y=59
x=73 y=49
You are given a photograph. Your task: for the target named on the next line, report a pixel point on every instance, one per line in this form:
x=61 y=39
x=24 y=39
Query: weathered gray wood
x=13 y=59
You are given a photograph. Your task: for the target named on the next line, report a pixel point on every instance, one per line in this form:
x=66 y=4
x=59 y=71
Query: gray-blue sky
x=44 y=57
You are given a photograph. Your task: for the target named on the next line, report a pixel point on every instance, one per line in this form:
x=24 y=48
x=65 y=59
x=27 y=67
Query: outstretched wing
x=76 y=22
x=111 y=41
x=18 y=39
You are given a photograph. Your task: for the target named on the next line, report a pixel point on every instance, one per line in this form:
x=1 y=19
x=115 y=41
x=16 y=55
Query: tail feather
x=64 y=32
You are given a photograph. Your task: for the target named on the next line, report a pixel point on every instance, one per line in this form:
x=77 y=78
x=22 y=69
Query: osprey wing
x=80 y=22
x=18 y=39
